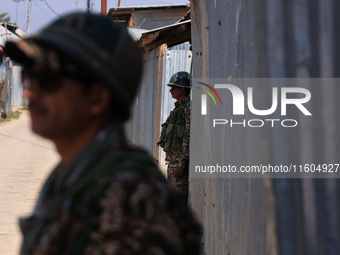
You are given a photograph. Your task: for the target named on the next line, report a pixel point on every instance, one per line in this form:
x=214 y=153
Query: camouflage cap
x=97 y=45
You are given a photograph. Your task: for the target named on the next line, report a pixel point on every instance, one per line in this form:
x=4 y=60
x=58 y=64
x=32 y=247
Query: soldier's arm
x=142 y=217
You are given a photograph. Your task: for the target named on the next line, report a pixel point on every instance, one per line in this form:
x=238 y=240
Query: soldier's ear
x=100 y=99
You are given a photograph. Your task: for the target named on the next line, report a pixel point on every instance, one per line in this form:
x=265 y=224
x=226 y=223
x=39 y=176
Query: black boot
x=3 y=115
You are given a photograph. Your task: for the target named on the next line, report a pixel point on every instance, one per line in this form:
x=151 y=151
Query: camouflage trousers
x=181 y=184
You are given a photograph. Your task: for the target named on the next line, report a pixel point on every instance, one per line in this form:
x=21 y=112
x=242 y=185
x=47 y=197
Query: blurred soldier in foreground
x=175 y=135
x=81 y=74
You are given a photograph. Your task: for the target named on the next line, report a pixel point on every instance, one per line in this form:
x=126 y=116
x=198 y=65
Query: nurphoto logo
x=295 y=96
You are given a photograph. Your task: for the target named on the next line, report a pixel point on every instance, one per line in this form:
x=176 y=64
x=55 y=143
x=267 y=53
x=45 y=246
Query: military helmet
x=100 y=47
x=180 y=79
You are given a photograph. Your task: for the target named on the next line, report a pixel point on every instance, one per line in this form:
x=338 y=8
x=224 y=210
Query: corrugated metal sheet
x=154 y=102
x=16 y=86
x=141 y=128
x=136 y=33
x=257 y=38
x=146 y=7
x=12 y=91
x=182 y=46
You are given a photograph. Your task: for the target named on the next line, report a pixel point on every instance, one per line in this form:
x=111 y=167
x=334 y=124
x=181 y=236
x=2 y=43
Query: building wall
x=11 y=94
x=142 y=125
x=251 y=39
x=17 y=87
x=151 y=19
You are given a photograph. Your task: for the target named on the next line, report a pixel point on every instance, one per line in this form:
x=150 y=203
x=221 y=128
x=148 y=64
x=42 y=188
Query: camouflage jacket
x=182 y=155
x=112 y=199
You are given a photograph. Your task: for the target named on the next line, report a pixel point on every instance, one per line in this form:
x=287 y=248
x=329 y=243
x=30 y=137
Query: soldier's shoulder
x=188 y=102
x=131 y=161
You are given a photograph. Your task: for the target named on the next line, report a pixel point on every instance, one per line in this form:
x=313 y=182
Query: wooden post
x=104 y=7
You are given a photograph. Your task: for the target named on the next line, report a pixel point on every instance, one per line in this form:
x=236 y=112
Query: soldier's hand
x=179 y=172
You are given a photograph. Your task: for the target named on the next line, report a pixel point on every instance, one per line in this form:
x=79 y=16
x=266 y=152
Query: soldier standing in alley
x=3 y=84
x=80 y=76
x=175 y=134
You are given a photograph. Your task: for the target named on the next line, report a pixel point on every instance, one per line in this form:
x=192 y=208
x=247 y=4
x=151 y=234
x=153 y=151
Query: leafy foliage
x=4 y=18
x=15 y=114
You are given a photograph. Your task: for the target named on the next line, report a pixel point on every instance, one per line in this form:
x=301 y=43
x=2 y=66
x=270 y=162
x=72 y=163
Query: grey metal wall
x=154 y=102
x=14 y=88
x=144 y=123
x=274 y=38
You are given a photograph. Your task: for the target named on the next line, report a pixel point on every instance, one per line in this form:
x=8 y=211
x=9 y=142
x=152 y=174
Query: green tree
x=4 y=18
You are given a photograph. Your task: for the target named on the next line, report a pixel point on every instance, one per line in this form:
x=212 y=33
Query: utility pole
x=104 y=7
x=118 y=3
x=29 y=17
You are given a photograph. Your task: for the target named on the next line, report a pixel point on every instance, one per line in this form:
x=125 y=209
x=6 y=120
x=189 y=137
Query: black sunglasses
x=48 y=80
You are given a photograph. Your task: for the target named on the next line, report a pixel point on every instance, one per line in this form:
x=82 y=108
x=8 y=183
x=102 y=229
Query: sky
x=45 y=11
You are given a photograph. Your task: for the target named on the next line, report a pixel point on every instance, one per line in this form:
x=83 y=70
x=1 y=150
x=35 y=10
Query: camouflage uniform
x=181 y=157
x=111 y=199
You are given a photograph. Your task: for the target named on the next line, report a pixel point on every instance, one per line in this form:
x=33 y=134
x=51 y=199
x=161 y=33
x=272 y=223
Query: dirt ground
x=25 y=161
